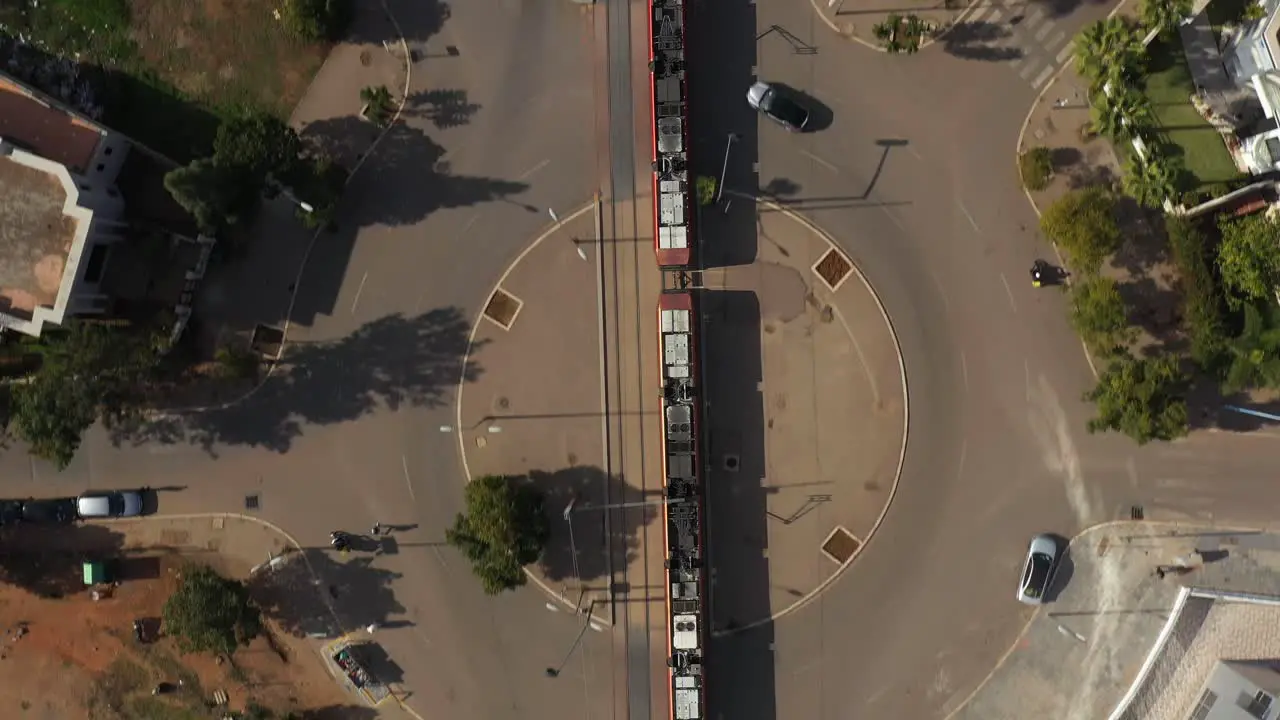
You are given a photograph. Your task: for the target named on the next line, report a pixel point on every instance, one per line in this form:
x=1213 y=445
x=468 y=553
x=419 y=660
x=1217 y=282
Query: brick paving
x=1081 y=652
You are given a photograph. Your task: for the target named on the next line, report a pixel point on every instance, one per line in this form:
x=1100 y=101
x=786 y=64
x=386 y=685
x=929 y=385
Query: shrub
x=235 y=362
x=1036 y=168
x=1099 y=315
x=1083 y=223
x=1204 y=311
x=706 y=187
x=315 y=20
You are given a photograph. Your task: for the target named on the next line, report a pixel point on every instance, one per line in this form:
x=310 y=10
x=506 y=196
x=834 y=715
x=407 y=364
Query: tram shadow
x=736 y=518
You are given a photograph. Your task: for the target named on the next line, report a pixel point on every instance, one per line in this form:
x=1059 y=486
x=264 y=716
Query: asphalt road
x=914 y=175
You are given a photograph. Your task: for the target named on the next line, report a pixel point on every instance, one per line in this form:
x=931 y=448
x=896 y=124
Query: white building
x=60 y=212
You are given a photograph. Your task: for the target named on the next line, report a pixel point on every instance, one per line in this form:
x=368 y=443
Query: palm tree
x=1108 y=51
x=1255 y=352
x=1150 y=181
x=1121 y=115
x=378 y=105
x=1164 y=16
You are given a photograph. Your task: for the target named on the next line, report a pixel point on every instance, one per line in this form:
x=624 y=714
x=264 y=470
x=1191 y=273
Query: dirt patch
x=833 y=268
x=77 y=657
x=840 y=545
x=502 y=308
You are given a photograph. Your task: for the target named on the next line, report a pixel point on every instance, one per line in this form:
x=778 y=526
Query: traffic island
x=894 y=26
x=806 y=420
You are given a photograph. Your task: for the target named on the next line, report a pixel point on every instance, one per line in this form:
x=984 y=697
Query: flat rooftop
x=44 y=130
x=35 y=237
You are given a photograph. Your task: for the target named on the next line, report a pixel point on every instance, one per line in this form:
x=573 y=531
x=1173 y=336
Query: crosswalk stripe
x=1065 y=52
x=1034 y=18
x=1013 y=64
x=977 y=14
x=1027 y=70
x=996 y=14
x=1044 y=30
x=1052 y=42
x=1044 y=75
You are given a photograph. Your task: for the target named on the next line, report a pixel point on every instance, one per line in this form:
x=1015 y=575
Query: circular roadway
x=912 y=171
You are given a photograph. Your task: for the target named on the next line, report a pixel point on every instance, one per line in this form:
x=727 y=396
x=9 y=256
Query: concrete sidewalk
x=1081 y=652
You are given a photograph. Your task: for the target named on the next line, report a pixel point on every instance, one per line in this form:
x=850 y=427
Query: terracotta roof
x=35 y=238
x=46 y=131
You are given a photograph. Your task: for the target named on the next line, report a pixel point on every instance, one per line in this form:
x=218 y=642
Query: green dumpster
x=95 y=572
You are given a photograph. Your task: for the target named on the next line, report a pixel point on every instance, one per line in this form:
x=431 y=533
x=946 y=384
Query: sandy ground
x=78 y=658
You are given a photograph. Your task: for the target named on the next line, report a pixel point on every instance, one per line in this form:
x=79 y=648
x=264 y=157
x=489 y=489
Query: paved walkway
x=1080 y=653
x=258 y=284
x=1201 y=46
x=806 y=420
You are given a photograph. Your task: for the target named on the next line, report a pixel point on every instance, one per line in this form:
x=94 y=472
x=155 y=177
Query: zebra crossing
x=1035 y=45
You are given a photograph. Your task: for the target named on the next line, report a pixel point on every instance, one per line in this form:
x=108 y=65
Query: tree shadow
x=596 y=531
x=969 y=41
x=414 y=178
x=1209 y=407
x=780 y=187
x=419 y=21
x=338 y=712
x=48 y=561
x=1085 y=175
x=1145 y=245
x=317 y=592
x=1064 y=157
x=1157 y=312
x=390 y=362
x=444 y=108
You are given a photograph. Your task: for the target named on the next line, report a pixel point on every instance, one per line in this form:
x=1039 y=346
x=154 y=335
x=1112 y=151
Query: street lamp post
x=725 y=167
x=577 y=245
x=573 y=549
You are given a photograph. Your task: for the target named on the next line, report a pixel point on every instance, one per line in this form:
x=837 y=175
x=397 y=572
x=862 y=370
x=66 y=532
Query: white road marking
x=551 y=607
x=359 y=291
x=404 y=463
x=1132 y=468
x=964 y=370
x=1045 y=30
x=1026 y=372
x=1009 y=291
x=1027 y=70
x=964 y=453
x=978 y=14
x=1052 y=42
x=1044 y=75
x=530 y=172
x=820 y=161
x=1066 y=51
x=895 y=220
x=995 y=16
x=1036 y=16
x=968 y=215
x=440 y=557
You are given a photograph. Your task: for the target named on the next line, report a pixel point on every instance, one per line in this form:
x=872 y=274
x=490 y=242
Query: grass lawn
x=171 y=68
x=1200 y=147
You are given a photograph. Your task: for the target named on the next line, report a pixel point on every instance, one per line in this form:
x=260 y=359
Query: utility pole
x=733 y=137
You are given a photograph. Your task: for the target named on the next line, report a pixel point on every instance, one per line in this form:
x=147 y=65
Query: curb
x=297 y=547
x=1017 y=641
x=1026 y=122
x=462 y=380
x=866 y=43
x=306 y=255
x=906 y=424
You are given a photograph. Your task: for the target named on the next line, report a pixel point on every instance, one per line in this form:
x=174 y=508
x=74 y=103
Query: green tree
x=260 y=144
x=314 y=20
x=1109 y=51
x=1164 y=16
x=1036 y=168
x=1151 y=181
x=1249 y=256
x=706 y=187
x=1099 y=315
x=210 y=613
x=379 y=106
x=1142 y=398
x=1122 y=115
x=90 y=370
x=218 y=197
x=1254 y=354
x=503 y=529
x=1083 y=223
x=1202 y=297
x=319 y=182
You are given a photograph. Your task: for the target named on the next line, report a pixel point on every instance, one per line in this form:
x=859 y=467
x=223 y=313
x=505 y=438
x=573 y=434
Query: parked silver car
x=1037 y=573
x=109 y=504
x=777 y=107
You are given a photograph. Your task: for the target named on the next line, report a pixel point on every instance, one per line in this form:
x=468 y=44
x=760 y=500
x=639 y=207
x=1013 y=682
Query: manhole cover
x=731 y=463
x=504 y=404
x=251 y=502
x=502 y=308
x=366 y=58
x=840 y=545
x=833 y=268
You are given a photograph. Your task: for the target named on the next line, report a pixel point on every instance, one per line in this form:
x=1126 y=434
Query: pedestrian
x=371 y=628
x=377 y=529
x=1160 y=573
x=1197 y=555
